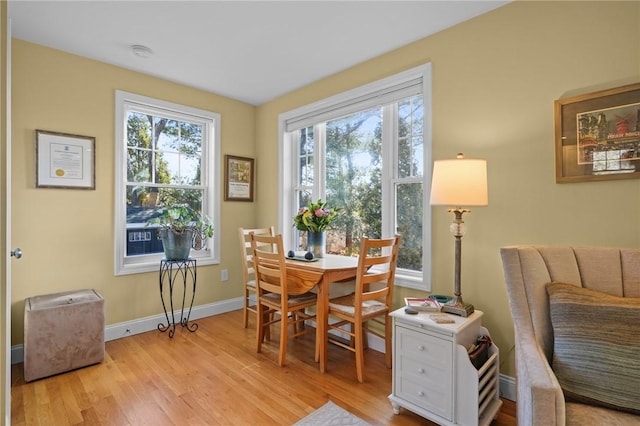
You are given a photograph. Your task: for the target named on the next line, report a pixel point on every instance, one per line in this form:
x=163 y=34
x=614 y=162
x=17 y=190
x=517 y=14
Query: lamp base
x=461 y=309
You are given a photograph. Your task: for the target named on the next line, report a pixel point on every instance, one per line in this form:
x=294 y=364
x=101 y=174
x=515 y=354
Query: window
x=165 y=154
x=368 y=152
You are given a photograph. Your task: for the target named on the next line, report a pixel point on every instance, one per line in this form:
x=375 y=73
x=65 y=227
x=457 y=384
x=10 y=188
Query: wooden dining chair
x=282 y=292
x=248 y=275
x=371 y=301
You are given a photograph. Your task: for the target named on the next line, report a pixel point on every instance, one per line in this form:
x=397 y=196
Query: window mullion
x=389 y=168
x=153 y=147
x=319 y=161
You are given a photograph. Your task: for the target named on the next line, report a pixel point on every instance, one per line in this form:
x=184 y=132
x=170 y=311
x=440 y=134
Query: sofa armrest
x=540 y=400
x=539 y=397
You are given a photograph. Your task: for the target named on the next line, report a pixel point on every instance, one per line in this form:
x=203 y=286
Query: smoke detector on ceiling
x=141 y=51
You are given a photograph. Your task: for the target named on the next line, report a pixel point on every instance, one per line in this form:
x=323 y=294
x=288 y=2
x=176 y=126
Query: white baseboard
x=507 y=387
x=17 y=354
x=142 y=325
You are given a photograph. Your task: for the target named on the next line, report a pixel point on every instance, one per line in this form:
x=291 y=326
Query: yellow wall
x=67 y=235
x=494 y=82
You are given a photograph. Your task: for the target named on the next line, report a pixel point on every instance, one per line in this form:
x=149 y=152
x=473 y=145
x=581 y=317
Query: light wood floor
x=210 y=377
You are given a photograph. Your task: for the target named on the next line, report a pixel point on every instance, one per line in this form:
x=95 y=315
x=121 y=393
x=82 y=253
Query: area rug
x=331 y=415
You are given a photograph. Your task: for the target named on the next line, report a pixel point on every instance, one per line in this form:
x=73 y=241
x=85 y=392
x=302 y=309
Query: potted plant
x=181 y=228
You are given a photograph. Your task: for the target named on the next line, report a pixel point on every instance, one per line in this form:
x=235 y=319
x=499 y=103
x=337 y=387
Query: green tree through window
x=352 y=150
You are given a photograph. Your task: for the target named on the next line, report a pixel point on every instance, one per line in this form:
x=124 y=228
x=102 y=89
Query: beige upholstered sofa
x=528 y=271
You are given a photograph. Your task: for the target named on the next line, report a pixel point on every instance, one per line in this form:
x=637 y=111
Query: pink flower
x=320 y=212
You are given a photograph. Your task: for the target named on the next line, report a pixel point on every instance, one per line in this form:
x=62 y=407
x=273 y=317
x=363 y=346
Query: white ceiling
x=252 y=51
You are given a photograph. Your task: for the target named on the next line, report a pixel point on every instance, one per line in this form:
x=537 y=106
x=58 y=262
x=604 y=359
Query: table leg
x=322 y=319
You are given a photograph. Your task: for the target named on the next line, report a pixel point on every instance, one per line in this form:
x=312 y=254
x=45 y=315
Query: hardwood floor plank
x=90 y=417
x=68 y=399
x=210 y=377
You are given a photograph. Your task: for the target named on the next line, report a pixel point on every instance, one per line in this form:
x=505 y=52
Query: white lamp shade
x=459 y=183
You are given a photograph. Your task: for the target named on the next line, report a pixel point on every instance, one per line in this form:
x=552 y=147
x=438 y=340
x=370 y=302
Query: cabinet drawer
x=423 y=325
x=428 y=350
x=431 y=377
x=438 y=400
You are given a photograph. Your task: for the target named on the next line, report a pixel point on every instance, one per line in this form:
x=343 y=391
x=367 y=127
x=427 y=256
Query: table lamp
x=459 y=183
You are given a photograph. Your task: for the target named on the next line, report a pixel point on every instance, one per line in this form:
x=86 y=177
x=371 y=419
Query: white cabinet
x=432 y=374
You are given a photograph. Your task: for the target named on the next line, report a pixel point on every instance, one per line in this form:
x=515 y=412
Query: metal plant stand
x=170 y=271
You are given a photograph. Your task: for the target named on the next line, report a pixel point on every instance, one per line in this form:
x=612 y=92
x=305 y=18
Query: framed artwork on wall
x=238 y=178
x=65 y=161
x=597 y=135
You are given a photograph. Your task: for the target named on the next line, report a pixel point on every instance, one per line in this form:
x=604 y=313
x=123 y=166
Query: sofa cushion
x=596 y=347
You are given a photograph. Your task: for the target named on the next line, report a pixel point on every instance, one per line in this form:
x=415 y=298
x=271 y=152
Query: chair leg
x=245 y=316
x=284 y=325
x=245 y=308
x=359 y=347
x=365 y=336
x=267 y=332
x=317 y=354
x=259 y=327
x=387 y=340
x=352 y=327
x=318 y=337
x=297 y=326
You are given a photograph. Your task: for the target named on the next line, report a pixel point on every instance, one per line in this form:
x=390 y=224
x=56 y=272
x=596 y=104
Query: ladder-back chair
x=280 y=290
x=372 y=300
x=248 y=275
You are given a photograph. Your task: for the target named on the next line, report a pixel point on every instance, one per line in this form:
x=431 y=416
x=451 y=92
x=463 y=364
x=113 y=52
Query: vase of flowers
x=315 y=218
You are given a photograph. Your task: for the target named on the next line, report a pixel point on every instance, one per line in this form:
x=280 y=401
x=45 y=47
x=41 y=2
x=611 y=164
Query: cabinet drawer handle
x=421 y=370
x=420 y=393
x=421 y=347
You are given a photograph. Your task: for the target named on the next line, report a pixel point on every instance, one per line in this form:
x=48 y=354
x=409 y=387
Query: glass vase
x=316 y=243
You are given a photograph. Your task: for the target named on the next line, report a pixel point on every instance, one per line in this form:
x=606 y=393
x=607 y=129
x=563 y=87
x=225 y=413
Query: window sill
x=409 y=281
x=154 y=265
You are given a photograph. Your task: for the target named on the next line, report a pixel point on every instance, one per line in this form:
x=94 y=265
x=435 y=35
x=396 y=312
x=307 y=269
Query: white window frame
x=339 y=105
x=209 y=171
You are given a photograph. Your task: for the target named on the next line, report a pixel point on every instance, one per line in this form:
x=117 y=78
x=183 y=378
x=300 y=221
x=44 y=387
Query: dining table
x=324 y=271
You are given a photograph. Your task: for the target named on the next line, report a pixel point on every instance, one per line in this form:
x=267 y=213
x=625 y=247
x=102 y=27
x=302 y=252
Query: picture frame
x=239 y=178
x=65 y=161
x=597 y=135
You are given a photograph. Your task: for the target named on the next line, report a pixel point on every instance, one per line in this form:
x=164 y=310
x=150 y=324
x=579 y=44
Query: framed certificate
x=238 y=178
x=65 y=161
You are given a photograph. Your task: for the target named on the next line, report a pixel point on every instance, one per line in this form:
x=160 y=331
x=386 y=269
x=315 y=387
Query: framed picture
x=597 y=135
x=65 y=161
x=238 y=172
